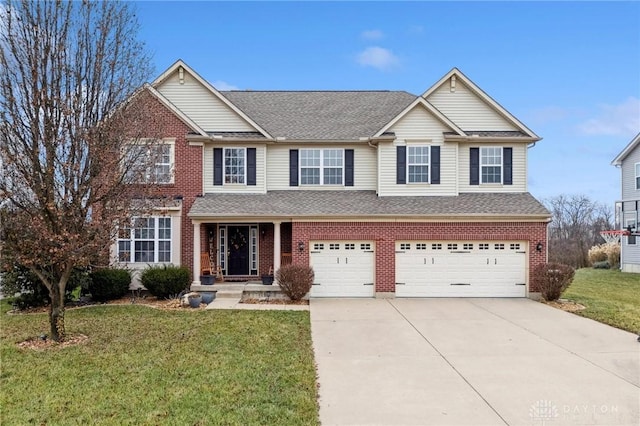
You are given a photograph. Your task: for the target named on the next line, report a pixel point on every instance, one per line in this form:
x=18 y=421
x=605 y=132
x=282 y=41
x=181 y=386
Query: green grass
x=145 y=366
x=611 y=297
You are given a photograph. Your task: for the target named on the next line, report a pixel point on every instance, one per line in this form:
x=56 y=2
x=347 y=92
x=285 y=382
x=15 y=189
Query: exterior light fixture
x=300 y=246
x=539 y=247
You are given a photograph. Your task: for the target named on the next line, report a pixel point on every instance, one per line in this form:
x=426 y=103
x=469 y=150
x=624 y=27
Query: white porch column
x=276 y=246
x=196 y=253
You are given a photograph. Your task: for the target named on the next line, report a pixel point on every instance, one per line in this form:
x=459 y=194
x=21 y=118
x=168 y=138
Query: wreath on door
x=237 y=240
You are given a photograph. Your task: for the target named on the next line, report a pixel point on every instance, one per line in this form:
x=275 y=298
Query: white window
x=235 y=165
x=418 y=164
x=321 y=166
x=150 y=162
x=146 y=240
x=631 y=224
x=637 y=175
x=491 y=165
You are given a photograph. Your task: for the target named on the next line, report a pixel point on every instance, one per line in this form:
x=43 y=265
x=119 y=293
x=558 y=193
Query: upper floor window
x=321 y=166
x=637 y=175
x=418 y=164
x=491 y=164
x=234 y=165
x=145 y=240
x=150 y=162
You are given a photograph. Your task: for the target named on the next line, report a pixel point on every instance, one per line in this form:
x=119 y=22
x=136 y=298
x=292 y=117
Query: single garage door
x=461 y=268
x=342 y=268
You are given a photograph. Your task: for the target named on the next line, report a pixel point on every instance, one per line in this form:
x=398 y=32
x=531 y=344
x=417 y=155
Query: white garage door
x=461 y=269
x=342 y=268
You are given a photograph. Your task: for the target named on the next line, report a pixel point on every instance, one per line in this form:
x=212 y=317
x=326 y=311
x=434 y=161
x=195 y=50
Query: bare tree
x=68 y=73
x=575 y=228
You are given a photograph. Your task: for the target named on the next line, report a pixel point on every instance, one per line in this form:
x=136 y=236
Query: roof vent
x=453 y=84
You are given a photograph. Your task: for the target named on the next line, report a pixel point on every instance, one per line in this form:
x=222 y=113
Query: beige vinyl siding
x=364 y=164
x=258 y=188
x=466 y=109
x=629 y=190
x=519 y=169
x=202 y=106
x=419 y=127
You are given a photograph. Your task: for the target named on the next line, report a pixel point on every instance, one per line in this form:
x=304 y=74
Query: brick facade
x=385 y=235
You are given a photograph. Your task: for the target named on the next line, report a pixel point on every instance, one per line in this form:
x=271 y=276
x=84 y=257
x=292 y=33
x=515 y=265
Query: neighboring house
x=382 y=192
x=627 y=208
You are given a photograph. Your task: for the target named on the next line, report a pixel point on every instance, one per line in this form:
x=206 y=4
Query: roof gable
x=626 y=151
x=198 y=99
x=462 y=101
x=415 y=104
x=185 y=119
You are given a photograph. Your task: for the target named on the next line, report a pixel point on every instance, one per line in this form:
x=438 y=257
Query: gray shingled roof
x=309 y=203
x=310 y=115
x=491 y=133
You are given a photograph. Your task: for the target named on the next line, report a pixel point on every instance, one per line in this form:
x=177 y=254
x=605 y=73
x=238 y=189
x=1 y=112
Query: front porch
x=240 y=252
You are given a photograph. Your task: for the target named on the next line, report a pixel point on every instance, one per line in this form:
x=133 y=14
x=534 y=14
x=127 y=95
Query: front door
x=238 y=258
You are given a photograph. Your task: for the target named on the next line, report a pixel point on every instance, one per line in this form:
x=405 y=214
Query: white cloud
x=621 y=119
x=372 y=35
x=223 y=85
x=377 y=57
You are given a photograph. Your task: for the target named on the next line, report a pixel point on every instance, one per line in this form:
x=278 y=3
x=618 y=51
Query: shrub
x=109 y=284
x=602 y=265
x=31 y=291
x=295 y=280
x=165 y=281
x=608 y=251
x=552 y=279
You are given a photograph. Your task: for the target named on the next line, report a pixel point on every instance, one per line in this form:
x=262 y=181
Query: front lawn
x=611 y=297
x=148 y=366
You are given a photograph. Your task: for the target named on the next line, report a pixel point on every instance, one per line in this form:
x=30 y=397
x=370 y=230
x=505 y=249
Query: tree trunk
x=56 y=313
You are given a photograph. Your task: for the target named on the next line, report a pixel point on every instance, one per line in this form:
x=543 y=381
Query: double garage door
x=422 y=268
x=461 y=269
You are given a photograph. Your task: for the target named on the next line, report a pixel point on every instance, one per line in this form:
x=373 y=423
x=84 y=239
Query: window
x=418 y=164
x=334 y=246
x=405 y=246
x=234 y=165
x=637 y=175
x=631 y=224
x=467 y=246
x=365 y=246
x=146 y=240
x=514 y=246
x=321 y=166
x=349 y=246
x=491 y=164
x=318 y=246
x=150 y=162
x=452 y=246
x=498 y=246
x=421 y=246
x=436 y=246
x=483 y=246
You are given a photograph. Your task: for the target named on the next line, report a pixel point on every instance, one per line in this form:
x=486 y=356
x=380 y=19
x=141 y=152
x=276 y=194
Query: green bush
x=552 y=279
x=109 y=284
x=295 y=280
x=165 y=281
x=602 y=265
x=31 y=291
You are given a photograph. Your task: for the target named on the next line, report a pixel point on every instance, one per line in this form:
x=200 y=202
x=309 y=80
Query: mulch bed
x=566 y=305
x=41 y=344
x=275 y=301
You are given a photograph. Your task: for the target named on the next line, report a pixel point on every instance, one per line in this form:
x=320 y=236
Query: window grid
x=491 y=164
x=418 y=164
x=514 y=246
x=334 y=246
x=365 y=246
x=349 y=246
x=254 y=249
x=483 y=246
x=223 y=248
x=148 y=239
x=436 y=246
x=234 y=165
x=467 y=246
x=421 y=246
x=150 y=163
x=499 y=246
x=318 y=246
x=405 y=246
x=451 y=246
x=321 y=166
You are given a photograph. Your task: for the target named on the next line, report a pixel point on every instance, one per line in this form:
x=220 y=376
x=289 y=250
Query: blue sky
x=569 y=70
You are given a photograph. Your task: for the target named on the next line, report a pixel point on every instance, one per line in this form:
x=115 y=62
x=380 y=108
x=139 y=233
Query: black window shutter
x=401 y=165
x=348 y=167
x=293 y=167
x=217 y=166
x=435 y=165
x=251 y=166
x=474 y=166
x=507 y=166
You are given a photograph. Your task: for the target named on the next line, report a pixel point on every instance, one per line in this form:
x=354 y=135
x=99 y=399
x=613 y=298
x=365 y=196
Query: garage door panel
x=460 y=269
x=342 y=268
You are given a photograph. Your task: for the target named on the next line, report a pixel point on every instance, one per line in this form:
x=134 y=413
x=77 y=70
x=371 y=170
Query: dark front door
x=238 y=250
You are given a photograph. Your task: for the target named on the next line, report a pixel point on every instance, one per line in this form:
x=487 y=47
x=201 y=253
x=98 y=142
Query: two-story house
x=628 y=207
x=382 y=192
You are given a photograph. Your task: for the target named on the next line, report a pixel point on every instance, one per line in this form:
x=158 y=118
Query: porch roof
x=365 y=204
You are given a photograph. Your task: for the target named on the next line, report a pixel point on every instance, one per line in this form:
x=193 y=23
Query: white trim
x=321 y=167
x=224 y=166
x=410 y=145
x=479 y=92
x=480 y=165
x=637 y=174
x=627 y=149
x=150 y=143
x=155 y=239
x=180 y=63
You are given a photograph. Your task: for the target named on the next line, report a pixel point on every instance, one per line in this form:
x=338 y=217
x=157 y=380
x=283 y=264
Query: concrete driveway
x=471 y=362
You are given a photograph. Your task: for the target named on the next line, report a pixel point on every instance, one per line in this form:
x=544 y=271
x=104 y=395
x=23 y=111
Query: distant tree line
x=575 y=228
